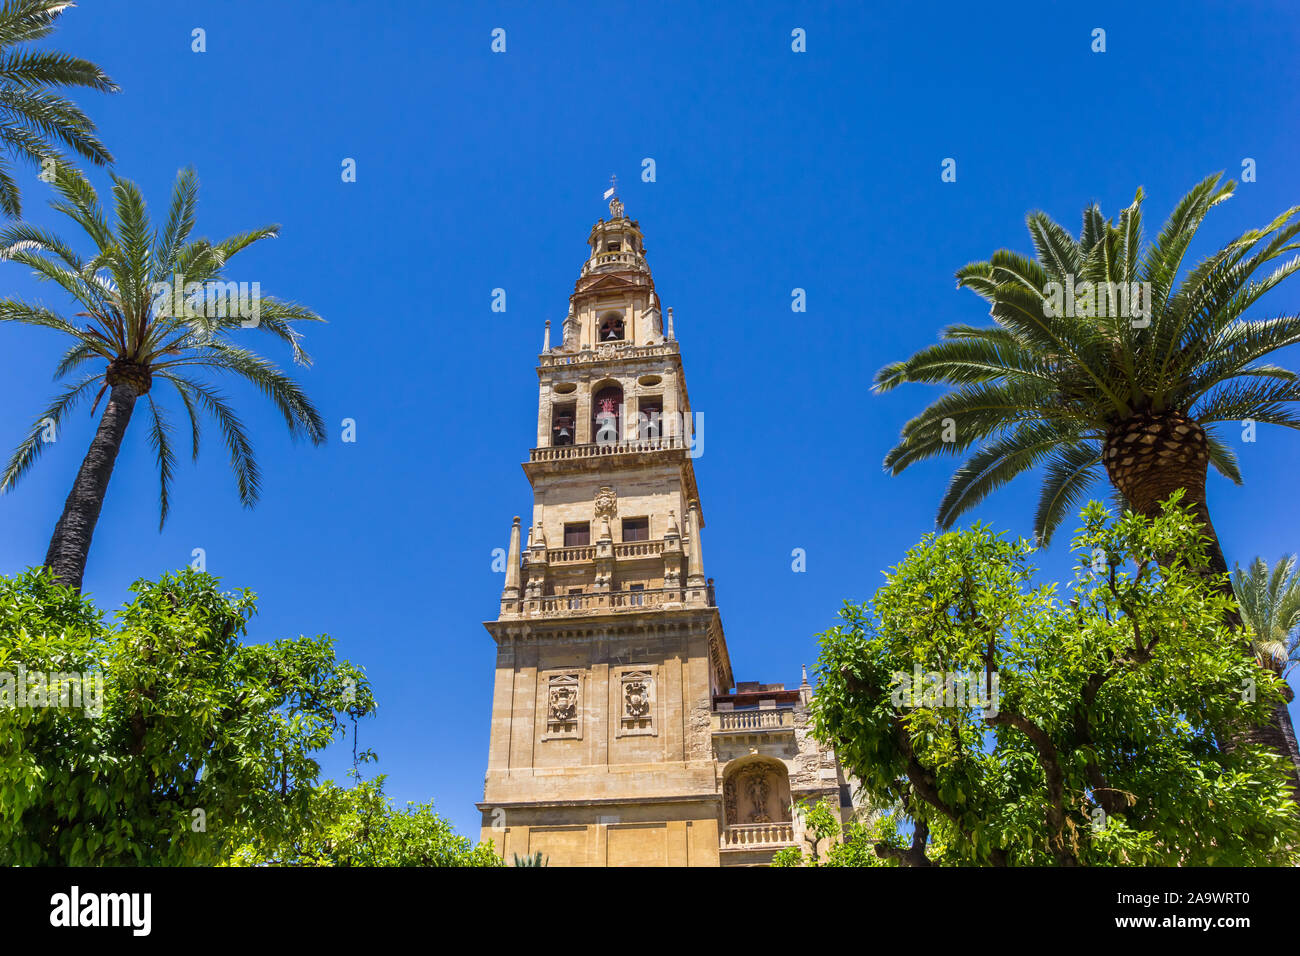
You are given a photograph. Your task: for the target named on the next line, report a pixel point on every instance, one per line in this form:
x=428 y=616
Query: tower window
x=606 y=405
x=650 y=417
x=578 y=534
x=611 y=330
x=562 y=424
x=636 y=529
x=613 y=247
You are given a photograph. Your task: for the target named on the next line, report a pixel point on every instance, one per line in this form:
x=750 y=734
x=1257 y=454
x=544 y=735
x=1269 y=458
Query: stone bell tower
x=611 y=659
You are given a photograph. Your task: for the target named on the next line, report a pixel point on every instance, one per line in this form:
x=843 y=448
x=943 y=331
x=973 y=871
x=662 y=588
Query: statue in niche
x=757 y=790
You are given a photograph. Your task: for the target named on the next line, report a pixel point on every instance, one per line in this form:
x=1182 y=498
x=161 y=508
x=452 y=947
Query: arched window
x=611 y=328
x=606 y=410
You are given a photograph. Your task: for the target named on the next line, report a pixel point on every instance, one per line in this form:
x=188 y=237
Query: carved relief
x=606 y=503
x=563 y=705
x=637 y=696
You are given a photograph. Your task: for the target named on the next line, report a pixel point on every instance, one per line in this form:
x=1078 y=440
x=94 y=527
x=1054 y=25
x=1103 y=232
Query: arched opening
x=756 y=791
x=606 y=414
x=611 y=327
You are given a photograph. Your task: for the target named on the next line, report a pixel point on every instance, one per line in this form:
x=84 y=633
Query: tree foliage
x=203 y=750
x=33 y=115
x=359 y=826
x=1050 y=382
x=1106 y=739
x=1270 y=606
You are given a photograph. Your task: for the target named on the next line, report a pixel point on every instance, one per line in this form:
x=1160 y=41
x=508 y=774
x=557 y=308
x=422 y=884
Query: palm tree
x=1083 y=370
x=156 y=306
x=1270 y=607
x=31 y=113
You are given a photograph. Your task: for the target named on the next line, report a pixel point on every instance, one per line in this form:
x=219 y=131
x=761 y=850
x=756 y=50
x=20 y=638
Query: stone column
x=695 y=572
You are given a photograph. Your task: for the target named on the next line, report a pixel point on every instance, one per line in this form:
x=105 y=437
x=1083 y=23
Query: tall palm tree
x=1270 y=606
x=156 y=306
x=31 y=113
x=1078 y=382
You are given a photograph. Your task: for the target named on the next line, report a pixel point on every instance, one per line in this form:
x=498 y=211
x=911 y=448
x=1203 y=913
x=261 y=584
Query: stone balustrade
x=607 y=353
x=756 y=835
x=748 y=721
x=600 y=449
x=604 y=601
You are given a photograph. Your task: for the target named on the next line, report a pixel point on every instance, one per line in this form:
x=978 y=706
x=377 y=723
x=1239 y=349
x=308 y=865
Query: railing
x=599 y=449
x=752 y=721
x=622 y=550
x=755 y=835
x=607 y=352
x=729 y=720
x=606 y=601
x=612 y=258
x=638 y=549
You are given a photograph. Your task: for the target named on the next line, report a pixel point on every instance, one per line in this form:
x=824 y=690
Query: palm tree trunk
x=1148 y=458
x=70 y=545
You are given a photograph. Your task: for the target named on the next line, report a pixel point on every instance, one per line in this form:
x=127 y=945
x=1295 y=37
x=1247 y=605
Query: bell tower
x=609 y=646
x=616 y=738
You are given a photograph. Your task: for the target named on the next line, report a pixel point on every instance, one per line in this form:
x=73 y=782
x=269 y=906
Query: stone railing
x=751 y=720
x=564 y=604
x=610 y=259
x=639 y=549
x=587 y=553
x=606 y=352
x=570 y=555
x=600 y=449
x=756 y=835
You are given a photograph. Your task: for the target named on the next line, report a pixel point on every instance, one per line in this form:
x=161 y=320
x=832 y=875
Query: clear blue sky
x=477 y=170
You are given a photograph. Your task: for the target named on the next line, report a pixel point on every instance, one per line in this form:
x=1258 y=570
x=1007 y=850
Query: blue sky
x=477 y=170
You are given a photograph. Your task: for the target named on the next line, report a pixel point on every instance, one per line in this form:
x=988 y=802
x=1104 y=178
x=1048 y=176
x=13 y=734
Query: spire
x=511 y=591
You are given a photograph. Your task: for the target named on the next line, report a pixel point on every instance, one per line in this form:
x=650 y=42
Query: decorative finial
x=670 y=323
x=546 y=342
x=805 y=674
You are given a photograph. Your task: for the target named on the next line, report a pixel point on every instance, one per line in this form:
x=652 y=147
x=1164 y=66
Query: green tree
x=198 y=745
x=32 y=114
x=1094 y=731
x=358 y=826
x=1270 y=606
x=1079 y=375
x=157 y=305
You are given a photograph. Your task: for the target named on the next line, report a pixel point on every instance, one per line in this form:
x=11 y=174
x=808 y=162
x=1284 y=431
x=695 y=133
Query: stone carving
x=562 y=704
x=637 y=691
x=636 y=695
x=729 y=800
x=606 y=503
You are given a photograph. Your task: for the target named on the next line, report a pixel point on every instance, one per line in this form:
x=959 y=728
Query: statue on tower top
x=615 y=204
